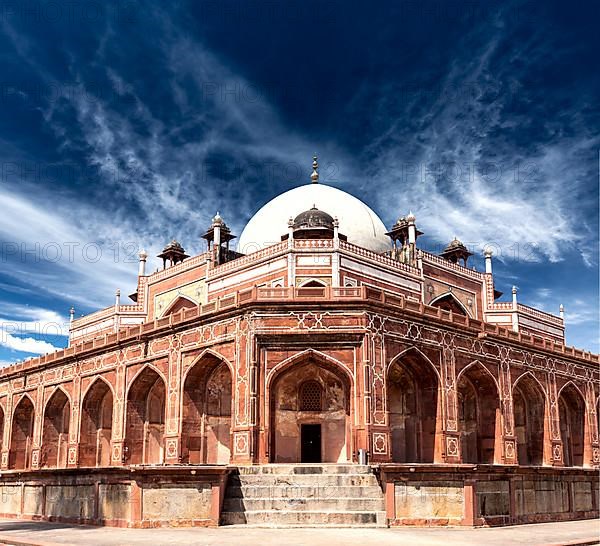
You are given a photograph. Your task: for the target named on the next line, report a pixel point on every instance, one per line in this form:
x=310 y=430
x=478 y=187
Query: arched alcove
x=22 y=435
x=529 y=403
x=206 y=425
x=55 y=431
x=96 y=425
x=479 y=418
x=571 y=407
x=182 y=302
x=413 y=404
x=449 y=302
x=146 y=419
x=309 y=404
x=313 y=283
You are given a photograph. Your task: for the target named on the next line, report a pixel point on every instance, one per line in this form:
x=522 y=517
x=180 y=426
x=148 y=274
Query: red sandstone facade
x=231 y=359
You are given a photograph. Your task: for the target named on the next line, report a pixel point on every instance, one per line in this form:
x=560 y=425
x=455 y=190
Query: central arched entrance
x=310 y=412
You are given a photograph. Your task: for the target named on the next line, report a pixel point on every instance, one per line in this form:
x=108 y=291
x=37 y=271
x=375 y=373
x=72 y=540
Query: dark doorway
x=311 y=443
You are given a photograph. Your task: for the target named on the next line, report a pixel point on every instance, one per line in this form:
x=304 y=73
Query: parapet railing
x=549 y=317
x=299 y=294
x=540 y=317
x=501 y=306
x=390 y=262
x=268 y=252
x=445 y=264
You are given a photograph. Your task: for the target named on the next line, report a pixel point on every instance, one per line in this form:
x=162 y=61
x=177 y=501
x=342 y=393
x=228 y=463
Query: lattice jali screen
x=311 y=396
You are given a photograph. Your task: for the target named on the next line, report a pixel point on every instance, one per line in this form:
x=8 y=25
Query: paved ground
x=50 y=534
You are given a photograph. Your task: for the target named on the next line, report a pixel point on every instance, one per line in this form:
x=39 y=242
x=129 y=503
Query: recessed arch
x=22 y=434
x=206 y=409
x=313 y=283
x=95 y=427
x=418 y=353
x=478 y=364
x=574 y=385
x=145 y=417
x=55 y=429
x=180 y=302
x=59 y=388
x=529 y=411
x=454 y=303
x=413 y=406
x=22 y=397
x=315 y=432
x=92 y=383
x=137 y=374
x=207 y=353
x=479 y=414
x=534 y=378
x=306 y=354
x=572 y=420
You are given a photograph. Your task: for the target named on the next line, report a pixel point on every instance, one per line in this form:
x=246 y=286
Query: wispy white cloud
x=157 y=183
x=18 y=322
x=26 y=344
x=153 y=186
x=441 y=165
x=77 y=256
x=543 y=292
x=22 y=319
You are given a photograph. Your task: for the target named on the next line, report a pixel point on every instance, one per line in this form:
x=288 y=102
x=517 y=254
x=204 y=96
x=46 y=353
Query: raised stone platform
x=487 y=495
x=282 y=495
x=300 y=495
x=136 y=496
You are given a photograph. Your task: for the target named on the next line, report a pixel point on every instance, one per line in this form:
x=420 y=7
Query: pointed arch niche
x=571 y=408
x=22 y=435
x=413 y=403
x=309 y=409
x=146 y=418
x=55 y=431
x=529 y=407
x=206 y=424
x=95 y=433
x=449 y=302
x=180 y=302
x=479 y=416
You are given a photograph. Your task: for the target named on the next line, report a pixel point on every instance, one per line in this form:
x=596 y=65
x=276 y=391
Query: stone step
x=311 y=469
x=303 y=491
x=304 y=479
x=284 y=518
x=303 y=504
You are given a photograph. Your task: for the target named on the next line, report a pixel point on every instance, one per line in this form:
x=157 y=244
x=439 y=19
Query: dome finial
x=315 y=173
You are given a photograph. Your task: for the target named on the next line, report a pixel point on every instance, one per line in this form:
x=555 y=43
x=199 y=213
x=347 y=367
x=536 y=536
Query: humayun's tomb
x=252 y=386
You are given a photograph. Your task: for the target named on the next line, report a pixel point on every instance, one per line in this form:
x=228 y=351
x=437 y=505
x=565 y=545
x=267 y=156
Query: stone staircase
x=304 y=495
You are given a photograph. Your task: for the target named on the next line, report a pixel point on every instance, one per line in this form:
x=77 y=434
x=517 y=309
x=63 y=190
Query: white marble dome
x=357 y=221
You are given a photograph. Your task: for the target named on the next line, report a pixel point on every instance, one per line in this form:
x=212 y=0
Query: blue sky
x=126 y=124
